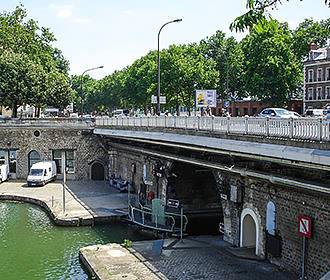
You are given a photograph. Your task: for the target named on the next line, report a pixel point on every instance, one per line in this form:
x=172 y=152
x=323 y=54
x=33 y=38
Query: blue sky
x=114 y=33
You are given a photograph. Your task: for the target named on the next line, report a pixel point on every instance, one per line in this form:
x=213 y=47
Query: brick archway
x=249 y=236
x=97 y=171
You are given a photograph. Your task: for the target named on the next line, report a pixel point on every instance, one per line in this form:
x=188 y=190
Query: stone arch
x=196 y=188
x=33 y=157
x=97 y=170
x=250 y=230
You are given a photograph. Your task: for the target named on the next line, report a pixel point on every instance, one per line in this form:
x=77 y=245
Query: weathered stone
x=82 y=141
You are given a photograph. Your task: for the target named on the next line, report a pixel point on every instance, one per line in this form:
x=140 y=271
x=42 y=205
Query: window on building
x=69 y=161
x=64 y=159
x=319 y=93
x=310 y=94
x=327 y=95
x=327 y=70
x=33 y=158
x=271 y=218
x=310 y=75
x=246 y=111
x=12 y=161
x=319 y=74
x=8 y=157
x=57 y=157
x=2 y=157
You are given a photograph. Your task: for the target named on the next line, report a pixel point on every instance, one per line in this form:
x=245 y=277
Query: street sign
x=162 y=99
x=304 y=226
x=173 y=203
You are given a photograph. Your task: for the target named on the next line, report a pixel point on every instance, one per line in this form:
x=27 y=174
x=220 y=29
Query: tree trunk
x=177 y=104
x=14 y=110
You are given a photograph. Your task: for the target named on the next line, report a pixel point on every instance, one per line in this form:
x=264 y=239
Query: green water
x=32 y=247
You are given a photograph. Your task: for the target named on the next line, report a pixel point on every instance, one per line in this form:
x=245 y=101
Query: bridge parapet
x=315 y=129
x=75 y=123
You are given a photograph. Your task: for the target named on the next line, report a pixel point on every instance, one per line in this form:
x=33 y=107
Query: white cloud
x=62 y=11
x=82 y=20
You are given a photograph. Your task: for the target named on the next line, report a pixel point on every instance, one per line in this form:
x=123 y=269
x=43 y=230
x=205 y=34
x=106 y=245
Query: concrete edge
x=89 y=269
x=43 y=205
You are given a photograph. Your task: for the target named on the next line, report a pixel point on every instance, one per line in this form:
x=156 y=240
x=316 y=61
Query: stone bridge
x=249 y=178
x=263 y=173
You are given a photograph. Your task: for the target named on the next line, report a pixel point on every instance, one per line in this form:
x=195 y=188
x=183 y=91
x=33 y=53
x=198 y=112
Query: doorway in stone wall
x=97 y=171
x=249 y=230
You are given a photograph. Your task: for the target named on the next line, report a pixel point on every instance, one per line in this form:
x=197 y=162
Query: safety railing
x=299 y=128
x=167 y=222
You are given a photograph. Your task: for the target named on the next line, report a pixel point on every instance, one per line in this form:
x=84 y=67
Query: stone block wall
x=86 y=145
x=289 y=203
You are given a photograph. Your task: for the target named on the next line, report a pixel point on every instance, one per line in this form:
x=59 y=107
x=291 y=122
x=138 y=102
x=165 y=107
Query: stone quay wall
x=44 y=139
x=289 y=204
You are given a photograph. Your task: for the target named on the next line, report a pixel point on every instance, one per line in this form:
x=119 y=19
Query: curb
x=42 y=204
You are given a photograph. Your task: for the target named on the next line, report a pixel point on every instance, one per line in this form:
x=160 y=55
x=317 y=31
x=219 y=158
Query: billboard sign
x=206 y=98
x=162 y=99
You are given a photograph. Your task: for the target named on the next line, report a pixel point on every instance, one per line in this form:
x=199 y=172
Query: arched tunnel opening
x=196 y=189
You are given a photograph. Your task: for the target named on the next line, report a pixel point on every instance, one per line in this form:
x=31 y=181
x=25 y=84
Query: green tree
x=185 y=69
x=310 y=32
x=58 y=92
x=257 y=12
x=228 y=56
x=19 y=77
x=271 y=69
x=25 y=44
x=141 y=81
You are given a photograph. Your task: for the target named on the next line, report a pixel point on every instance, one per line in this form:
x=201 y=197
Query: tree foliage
x=258 y=12
x=309 y=32
x=272 y=71
x=228 y=57
x=33 y=72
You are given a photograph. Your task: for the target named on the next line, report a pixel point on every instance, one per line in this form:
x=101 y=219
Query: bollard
x=181 y=224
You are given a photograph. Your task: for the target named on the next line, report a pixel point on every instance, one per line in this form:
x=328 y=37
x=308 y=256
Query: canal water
x=32 y=247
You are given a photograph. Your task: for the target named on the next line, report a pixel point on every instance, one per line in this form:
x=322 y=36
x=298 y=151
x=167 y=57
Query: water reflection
x=32 y=247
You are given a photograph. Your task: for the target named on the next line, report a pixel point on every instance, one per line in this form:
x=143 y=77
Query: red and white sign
x=305 y=226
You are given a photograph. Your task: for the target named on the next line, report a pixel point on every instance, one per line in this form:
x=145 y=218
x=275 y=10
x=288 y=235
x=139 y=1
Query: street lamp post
x=81 y=86
x=158 y=80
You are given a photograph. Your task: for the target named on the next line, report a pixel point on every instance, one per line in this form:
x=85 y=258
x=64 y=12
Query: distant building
x=5 y=112
x=241 y=108
x=317 y=78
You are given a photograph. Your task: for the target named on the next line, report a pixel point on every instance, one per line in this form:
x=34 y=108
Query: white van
x=41 y=173
x=4 y=172
x=120 y=113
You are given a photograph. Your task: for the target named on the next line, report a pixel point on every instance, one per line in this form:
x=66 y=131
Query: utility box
x=235 y=194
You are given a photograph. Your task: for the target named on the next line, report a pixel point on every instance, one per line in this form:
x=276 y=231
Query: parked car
x=4 y=172
x=276 y=113
x=41 y=173
x=315 y=113
x=74 y=115
x=295 y=114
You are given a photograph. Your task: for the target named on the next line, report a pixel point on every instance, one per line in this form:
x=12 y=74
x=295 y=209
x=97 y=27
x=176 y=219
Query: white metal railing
x=301 y=128
x=144 y=217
